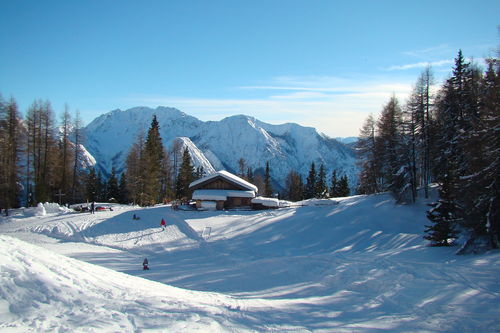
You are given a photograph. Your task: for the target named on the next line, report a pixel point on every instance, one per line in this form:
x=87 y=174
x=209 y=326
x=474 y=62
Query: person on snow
x=163 y=223
x=145 y=264
x=92 y=207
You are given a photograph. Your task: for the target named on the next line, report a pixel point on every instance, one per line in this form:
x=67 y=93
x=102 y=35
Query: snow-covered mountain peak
x=221 y=143
x=197 y=156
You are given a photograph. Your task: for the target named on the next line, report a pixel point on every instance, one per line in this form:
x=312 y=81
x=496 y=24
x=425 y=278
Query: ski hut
x=222 y=190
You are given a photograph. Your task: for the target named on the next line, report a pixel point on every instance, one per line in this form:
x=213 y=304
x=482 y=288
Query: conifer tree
x=154 y=159
x=334 y=187
x=92 y=187
x=112 y=186
x=200 y=172
x=135 y=171
x=102 y=188
x=321 y=187
x=465 y=168
x=310 y=189
x=243 y=166
x=167 y=191
x=343 y=187
x=122 y=187
x=268 y=189
x=488 y=178
x=444 y=215
x=185 y=177
x=249 y=176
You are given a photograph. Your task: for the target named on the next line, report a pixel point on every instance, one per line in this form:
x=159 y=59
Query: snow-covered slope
x=41 y=291
x=222 y=143
x=359 y=264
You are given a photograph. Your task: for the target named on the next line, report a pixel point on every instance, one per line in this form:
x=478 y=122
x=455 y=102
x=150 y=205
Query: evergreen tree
x=167 y=191
x=176 y=155
x=123 y=191
x=488 y=178
x=135 y=171
x=102 y=188
x=445 y=216
x=243 y=166
x=310 y=189
x=467 y=151
x=185 y=177
x=92 y=187
x=321 y=187
x=334 y=187
x=249 y=176
x=268 y=189
x=343 y=187
x=200 y=172
x=113 y=188
x=154 y=159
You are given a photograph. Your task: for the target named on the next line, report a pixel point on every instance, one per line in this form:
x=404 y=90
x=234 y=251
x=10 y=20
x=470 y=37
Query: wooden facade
x=219 y=183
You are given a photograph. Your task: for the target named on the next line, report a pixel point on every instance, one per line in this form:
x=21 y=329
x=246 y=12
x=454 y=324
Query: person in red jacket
x=163 y=223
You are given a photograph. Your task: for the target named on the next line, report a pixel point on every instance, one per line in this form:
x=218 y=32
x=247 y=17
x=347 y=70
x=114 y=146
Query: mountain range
x=218 y=145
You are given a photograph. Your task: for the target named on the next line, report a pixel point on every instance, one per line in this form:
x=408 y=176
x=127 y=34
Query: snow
x=197 y=157
x=359 y=264
x=268 y=202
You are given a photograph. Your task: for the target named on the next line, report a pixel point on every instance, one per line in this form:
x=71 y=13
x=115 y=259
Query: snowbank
x=40 y=210
x=317 y=202
x=267 y=202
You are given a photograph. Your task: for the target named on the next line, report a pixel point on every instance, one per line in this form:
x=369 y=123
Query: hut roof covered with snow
x=223 y=188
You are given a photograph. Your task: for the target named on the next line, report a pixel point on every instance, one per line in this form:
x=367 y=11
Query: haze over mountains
x=217 y=145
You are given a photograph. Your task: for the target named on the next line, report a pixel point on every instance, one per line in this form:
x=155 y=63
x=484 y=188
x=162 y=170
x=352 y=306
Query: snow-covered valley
x=357 y=265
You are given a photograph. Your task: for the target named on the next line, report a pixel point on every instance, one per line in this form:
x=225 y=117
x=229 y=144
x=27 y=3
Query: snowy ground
x=357 y=266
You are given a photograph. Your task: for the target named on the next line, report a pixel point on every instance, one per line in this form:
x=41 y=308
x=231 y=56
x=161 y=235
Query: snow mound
x=40 y=210
x=44 y=291
x=267 y=202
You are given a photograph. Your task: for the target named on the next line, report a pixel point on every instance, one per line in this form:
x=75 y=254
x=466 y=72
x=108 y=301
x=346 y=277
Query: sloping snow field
x=359 y=265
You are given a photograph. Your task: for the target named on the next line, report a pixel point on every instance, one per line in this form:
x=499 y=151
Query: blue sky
x=326 y=64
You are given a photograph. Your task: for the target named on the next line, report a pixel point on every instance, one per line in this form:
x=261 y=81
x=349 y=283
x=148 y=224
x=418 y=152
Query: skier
x=163 y=223
x=92 y=207
x=145 y=264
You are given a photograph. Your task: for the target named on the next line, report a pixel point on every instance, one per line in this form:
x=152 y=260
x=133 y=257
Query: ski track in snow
x=359 y=266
